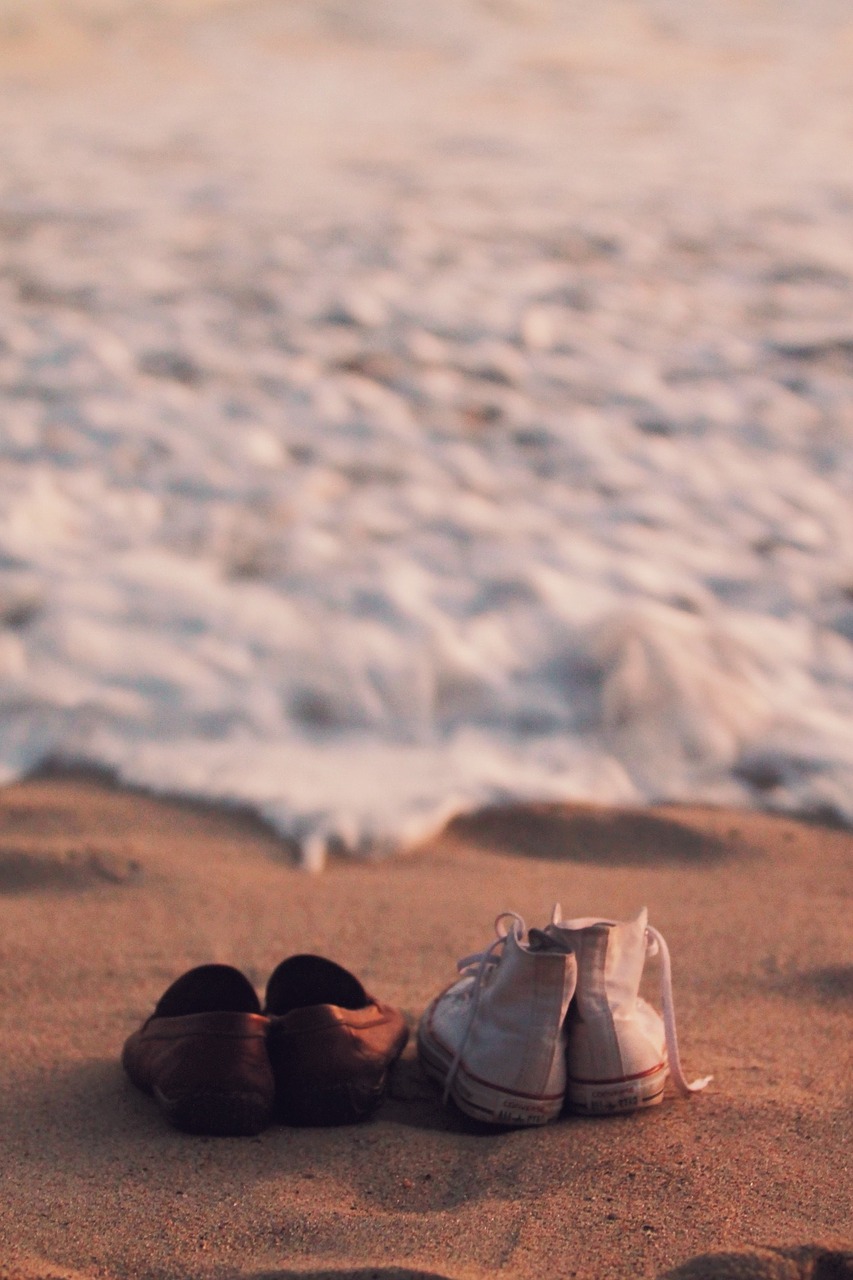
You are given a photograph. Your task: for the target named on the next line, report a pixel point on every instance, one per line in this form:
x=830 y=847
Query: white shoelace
x=656 y=944
x=479 y=965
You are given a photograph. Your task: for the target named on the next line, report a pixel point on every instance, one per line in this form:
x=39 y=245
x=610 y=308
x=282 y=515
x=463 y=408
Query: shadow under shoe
x=203 y=1054
x=330 y=1043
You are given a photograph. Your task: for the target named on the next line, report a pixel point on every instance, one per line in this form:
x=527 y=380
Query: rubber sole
x=221 y=1115
x=483 y=1100
x=345 y=1103
x=615 y=1097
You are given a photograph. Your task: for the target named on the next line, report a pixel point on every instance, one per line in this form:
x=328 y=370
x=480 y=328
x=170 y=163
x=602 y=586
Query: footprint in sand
x=71 y=870
x=802 y=1262
x=828 y=984
x=591 y=834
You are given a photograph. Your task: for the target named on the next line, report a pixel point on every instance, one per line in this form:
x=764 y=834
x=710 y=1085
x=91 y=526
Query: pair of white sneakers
x=552 y=1019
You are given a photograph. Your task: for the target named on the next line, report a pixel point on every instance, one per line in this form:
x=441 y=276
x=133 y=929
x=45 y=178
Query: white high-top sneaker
x=495 y=1039
x=619 y=1051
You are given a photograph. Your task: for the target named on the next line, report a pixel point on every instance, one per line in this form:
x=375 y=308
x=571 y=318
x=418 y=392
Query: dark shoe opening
x=302 y=981
x=210 y=988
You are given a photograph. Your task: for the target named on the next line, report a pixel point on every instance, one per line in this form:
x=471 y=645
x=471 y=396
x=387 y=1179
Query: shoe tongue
x=306 y=980
x=210 y=988
x=545 y=940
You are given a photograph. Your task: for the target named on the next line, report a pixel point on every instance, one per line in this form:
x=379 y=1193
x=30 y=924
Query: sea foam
x=361 y=521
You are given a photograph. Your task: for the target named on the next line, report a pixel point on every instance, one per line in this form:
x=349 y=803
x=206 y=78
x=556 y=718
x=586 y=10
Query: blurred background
x=411 y=407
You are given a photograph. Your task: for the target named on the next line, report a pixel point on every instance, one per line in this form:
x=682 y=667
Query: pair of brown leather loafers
x=318 y=1053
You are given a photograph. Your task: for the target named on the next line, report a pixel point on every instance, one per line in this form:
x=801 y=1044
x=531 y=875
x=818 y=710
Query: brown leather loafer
x=203 y=1054
x=330 y=1043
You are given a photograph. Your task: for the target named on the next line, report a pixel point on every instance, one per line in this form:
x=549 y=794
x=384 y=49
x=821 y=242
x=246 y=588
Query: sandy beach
x=106 y=896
